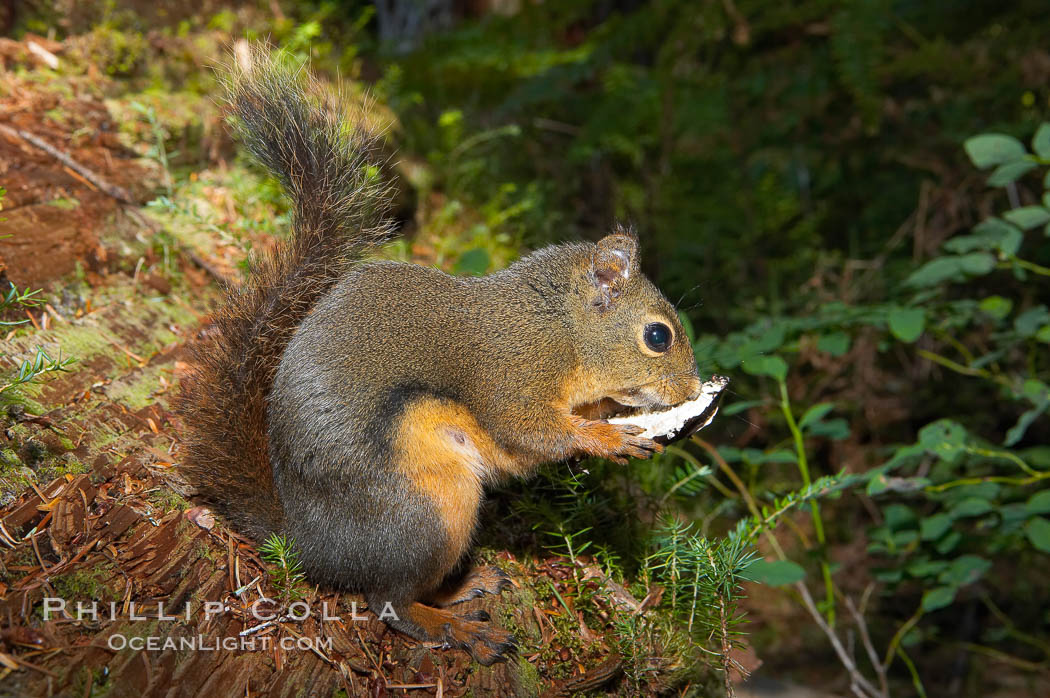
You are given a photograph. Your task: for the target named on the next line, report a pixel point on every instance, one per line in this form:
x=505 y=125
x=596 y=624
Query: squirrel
x=359 y=407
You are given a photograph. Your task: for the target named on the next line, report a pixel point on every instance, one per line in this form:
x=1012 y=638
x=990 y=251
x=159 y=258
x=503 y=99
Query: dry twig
x=118 y=193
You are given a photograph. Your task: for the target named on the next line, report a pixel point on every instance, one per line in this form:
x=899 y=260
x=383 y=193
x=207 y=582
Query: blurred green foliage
x=752 y=149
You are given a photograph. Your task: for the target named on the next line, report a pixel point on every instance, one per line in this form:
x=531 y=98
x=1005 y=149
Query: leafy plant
x=33 y=369
x=158 y=151
x=286 y=572
x=41 y=364
x=18 y=299
x=954 y=505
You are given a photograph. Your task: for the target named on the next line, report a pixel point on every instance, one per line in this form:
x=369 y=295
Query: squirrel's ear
x=615 y=260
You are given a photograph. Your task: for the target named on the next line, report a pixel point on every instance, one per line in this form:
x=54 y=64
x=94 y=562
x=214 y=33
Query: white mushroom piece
x=680 y=421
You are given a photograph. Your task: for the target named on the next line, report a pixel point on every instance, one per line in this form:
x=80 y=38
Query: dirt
x=53 y=217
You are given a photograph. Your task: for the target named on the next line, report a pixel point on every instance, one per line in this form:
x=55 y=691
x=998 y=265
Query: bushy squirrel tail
x=329 y=164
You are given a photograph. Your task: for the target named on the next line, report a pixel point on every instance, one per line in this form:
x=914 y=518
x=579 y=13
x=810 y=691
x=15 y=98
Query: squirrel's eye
x=657 y=336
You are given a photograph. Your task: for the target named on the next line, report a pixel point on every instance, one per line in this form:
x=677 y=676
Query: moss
x=22 y=556
x=66 y=204
x=18 y=396
x=33 y=452
x=58 y=116
x=508 y=615
x=18 y=432
x=80 y=341
x=205 y=551
x=103 y=436
x=9 y=459
x=138 y=388
x=168 y=500
x=116 y=52
x=71 y=466
x=529 y=677
x=88 y=339
x=86 y=585
x=13 y=481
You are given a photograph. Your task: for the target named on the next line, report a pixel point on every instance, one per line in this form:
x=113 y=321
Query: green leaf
x=926 y=568
x=878 y=484
x=1038 y=532
x=1035 y=391
x=990 y=149
x=1017 y=431
x=1038 y=456
x=775 y=573
x=976 y=264
x=780 y=455
x=1038 y=503
x=996 y=306
x=933 y=527
x=772 y=338
x=971 y=506
x=1002 y=236
x=934 y=272
x=993 y=234
x=947 y=544
x=474 y=262
x=741 y=406
x=983 y=490
x=1032 y=320
x=1012 y=515
x=1010 y=172
x=951 y=268
x=1041 y=141
x=965 y=570
x=773 y=366
x=834 y=343
x=938 y=597
x=943 y=438
x=815 y=414
x=1027 y=217
x=902 y=539
x=907 y=324
x=831 y=429
x=899 y=516
x=887 y=576
x=1043 y=335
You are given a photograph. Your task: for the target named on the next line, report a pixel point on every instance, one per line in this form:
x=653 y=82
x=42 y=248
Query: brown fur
x=339 y=214
x=445 y=454
x=487 y=643
x=480 y=581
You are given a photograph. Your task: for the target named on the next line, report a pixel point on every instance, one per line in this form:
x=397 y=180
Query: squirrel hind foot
x=480 y=581
x=486 y=643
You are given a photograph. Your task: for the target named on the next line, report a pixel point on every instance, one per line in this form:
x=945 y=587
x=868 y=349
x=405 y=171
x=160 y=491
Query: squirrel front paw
x=617 y=442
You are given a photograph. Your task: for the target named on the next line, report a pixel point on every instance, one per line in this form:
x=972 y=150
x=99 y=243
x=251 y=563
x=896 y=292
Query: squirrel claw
x=487 y=644
x=480 y=581
x=617 y=442
x=635 y=446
